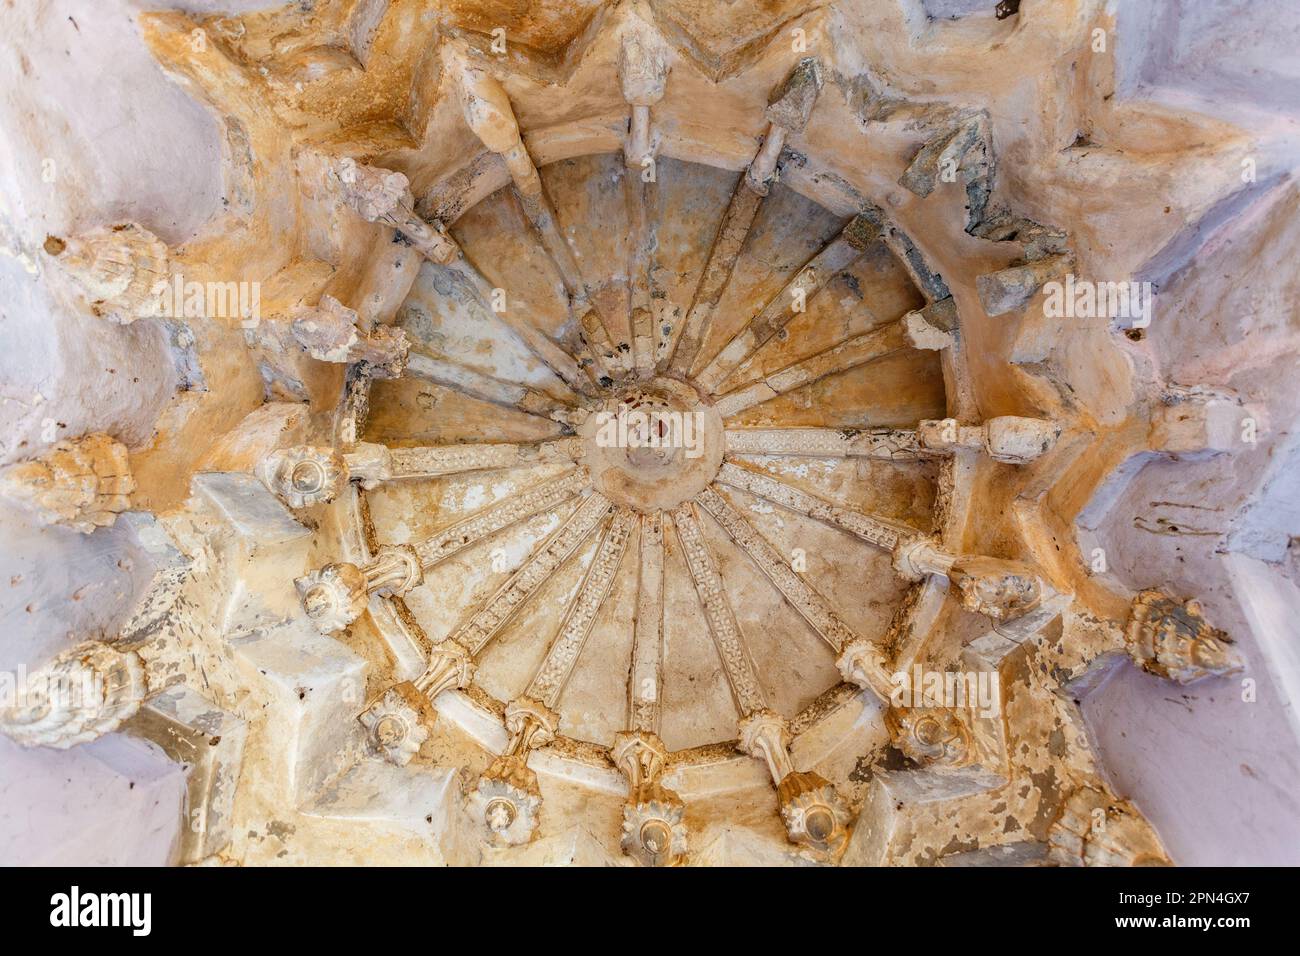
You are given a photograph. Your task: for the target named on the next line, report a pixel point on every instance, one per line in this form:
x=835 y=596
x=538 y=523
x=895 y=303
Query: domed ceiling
x=643 y=448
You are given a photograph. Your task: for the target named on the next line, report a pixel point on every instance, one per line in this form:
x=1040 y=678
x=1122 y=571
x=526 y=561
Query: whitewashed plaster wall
x=78 y=87
x=1218 y=776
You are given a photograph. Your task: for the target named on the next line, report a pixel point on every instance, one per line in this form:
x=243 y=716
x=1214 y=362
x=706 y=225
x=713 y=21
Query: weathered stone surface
x=84 y=483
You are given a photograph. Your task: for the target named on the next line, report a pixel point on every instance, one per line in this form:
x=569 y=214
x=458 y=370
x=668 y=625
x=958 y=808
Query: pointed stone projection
x=788 y=112
x=1172 y=639
x=643 y=73
x=83 y=483
x=84 y=693
x=1007 y=438
x=123 y=272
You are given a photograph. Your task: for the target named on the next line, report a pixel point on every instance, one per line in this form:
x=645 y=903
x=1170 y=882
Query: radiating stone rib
x=509 y=511
x=431 y=461
x=727 y=636
x=489 y=619
x=868 y=347
x=489 y=389
x=489 y=114
x=684 y=341
x=838 y=254
x=554 y=671
x=642 y=204
x=645 y=679
x=383 y=196
x=568 y=368
x=888 y=444
x=880 y=532
x=802 y=596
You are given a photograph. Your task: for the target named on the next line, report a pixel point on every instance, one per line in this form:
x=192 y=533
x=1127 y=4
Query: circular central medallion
x=654 y=446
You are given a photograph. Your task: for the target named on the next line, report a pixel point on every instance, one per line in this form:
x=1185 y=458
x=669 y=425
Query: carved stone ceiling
x=640 y=398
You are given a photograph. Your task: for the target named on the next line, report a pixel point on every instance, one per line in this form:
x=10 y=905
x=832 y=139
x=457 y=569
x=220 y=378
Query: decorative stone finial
x=394 y=723
x=1007 y=438
x=79 y=696
x=930 y=735
x=384 y=196
x=302 y=476
x=450 y=665
x=508 y=800
x=863 y=663
x=998 y=589
x=813 y=811
x=83 y=483
x=792 y=106
x=122 y=270
x=654 y=833
x=332 y=332
x=1172 y=639
x=334 y=596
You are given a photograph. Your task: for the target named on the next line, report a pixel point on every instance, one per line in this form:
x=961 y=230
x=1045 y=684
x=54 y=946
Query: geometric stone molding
x=334 y=596
x=654 y=833
x=209 y=743
x=82 y=694
x=394 y=723
x=1172 y=639
x=814 y=813
x=508 y=800
x=123 y=271
x=83 y=483
x=1095 y=829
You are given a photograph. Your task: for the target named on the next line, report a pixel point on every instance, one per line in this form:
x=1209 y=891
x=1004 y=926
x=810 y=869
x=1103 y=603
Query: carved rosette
x=1173 y=640
x=1095 y=829
x=508 y=801
x=302 y=476
x=84 y=484
x=122 y=270
x=931 y=735
x=654 y=833
x=79 y=696
x=998 y=589
x=394 y=723
x=333 y=596
x=813 y=811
